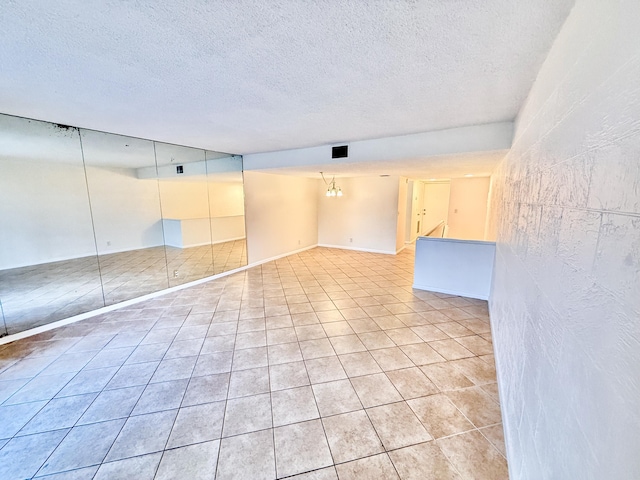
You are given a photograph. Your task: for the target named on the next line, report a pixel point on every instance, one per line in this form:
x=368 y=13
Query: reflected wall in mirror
x=48 y=259
x=184 y=199
x=92 y=219
x=126 y=214
x=226 y=202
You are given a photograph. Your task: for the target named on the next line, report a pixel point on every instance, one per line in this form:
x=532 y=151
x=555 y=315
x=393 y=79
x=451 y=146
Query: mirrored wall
x=90 y=219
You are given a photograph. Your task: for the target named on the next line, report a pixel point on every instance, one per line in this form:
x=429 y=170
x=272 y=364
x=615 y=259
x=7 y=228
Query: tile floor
x=321 y=365
x=41 y=294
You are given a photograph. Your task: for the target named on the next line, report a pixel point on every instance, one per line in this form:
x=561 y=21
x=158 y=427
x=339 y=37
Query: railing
x=437 y=231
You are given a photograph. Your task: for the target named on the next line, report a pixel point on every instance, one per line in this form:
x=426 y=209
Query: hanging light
x=332 y=189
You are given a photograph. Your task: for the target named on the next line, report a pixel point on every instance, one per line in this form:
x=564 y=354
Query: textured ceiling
x=256 y=75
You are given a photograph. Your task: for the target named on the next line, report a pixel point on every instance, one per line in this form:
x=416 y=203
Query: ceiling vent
x=341 y=151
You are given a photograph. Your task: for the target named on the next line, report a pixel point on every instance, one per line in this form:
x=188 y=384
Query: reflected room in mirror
x=91 y=219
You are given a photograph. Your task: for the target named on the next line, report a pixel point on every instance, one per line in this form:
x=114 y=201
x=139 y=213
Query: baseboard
x=277 y=257
x=458 y=293
x=405 y=246
x=227 y=240
x=83 y=316
x=356 y=249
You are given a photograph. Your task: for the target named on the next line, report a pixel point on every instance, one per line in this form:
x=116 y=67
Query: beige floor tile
x=247 y=414
x=310 y=332
x=476 y=370
x=284 y=353
x=281 y=335
x=249 y=358
x=476 y=344
x=492 y=390
x=288 y=375
x=439 y=415
x=391 y=359
x=411 y=383
x=397 y=425
x=374 y=390
x=430 y=333
x=476 y=405
x=363 y=325
x=321 y=474
x=335 y=329
x=474 y=457
x=357 y=364
x=301 y=447
x=423 y=461
x=495 y=434
x=293 y=405
x=247 y=456
x=336 y=397
x=375 y=340
x=446 y=376
x=404 y=336
x=249 y=382
x=325 y=369
x=351 y=436
x=347 y=344
x=316 y=348
x=377 y=467
x=294 y=313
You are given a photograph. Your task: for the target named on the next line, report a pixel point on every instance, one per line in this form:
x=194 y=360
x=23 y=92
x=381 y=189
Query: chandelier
x=332 y=189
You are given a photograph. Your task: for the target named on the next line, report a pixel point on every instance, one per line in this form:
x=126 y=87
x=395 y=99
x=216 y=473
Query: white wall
x=565 y=305
x=226 y=199
x=126 y=210
x=281 y=213
x=468 y=208
x=44 y=214
x=365 y=218
x=184 y=199
x=403 y=187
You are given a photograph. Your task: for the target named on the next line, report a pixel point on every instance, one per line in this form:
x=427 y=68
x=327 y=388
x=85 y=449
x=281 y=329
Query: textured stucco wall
x=565 y=305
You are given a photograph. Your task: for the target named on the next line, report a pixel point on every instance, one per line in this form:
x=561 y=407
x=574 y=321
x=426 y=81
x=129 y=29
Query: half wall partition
x=90 y=219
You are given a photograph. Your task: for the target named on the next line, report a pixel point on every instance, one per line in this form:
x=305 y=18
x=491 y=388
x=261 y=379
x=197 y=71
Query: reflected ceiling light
x=332 y=190
x=468 y=175
x=432 y=179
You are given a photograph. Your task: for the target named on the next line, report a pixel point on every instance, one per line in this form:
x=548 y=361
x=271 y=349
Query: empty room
x=323 y=240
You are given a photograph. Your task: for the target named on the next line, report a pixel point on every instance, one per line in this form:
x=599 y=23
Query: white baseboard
x=430 y=288
x=83 y=316
x=276 y=257
x=356 y=249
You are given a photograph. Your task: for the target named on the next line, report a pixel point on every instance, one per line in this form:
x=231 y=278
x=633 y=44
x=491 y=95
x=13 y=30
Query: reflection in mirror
x=226 y=210
x=126 y=214
x=48 y=262
x=184 y=199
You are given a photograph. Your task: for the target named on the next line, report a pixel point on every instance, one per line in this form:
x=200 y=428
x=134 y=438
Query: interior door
x=435 y=206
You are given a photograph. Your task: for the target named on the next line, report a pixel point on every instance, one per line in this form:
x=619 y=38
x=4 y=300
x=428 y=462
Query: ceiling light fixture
x=332 y=190
x=468 y=175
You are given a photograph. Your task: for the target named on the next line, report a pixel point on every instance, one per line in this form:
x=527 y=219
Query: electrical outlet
x=108 y=244
x=351 y=240
x=175 y=274
x=298 y=242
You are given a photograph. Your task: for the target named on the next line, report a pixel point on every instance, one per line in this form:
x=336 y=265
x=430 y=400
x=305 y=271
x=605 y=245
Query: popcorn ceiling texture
x=255 y=75
x=565 y=307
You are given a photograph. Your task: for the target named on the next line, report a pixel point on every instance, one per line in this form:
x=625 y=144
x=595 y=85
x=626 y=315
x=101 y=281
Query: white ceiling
x=262 y=75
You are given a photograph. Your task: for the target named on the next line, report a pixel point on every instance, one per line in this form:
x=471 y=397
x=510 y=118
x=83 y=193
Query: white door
x=435 y=205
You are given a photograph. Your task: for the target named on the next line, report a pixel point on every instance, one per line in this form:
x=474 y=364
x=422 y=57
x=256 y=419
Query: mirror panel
x=92 y=219
x=226 y=210
x=184 y=198
x=125 y=201
x=48 y=258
